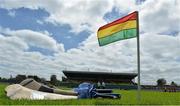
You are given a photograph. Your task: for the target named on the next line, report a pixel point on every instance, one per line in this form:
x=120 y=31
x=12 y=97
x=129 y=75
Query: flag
x=123 y=28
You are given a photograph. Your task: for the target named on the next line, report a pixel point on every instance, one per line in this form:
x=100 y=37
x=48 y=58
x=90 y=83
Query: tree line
x=18 y=78
x=54 y=81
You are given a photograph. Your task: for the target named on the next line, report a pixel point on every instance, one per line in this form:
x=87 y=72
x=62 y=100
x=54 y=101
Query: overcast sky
x=44 y=37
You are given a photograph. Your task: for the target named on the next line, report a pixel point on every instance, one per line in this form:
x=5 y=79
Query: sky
x=44 y=37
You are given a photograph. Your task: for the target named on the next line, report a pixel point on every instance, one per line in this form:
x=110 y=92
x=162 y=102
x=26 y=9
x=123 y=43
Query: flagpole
x=138 y=59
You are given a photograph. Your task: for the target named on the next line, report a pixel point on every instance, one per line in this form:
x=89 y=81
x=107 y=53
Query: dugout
x=108 y=77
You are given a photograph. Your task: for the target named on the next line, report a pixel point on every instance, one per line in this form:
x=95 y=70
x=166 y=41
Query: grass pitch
x=128 y=98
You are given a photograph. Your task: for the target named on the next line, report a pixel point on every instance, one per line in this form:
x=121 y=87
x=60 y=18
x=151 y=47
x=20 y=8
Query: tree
x=20 y=78
x=64 y=79
x=173 y=83
x=43 y=80
x=53 y=80
x=35 y=77
x=161 y=82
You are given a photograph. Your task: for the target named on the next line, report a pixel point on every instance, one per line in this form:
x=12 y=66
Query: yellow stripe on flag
x=116 y=28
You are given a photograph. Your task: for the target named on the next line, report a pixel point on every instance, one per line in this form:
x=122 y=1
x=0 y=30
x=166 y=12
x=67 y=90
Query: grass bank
x=128 y=98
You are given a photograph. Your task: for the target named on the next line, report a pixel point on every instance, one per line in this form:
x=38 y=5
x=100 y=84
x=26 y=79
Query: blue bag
x=87 y=90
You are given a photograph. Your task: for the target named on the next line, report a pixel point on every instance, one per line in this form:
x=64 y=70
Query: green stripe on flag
x=125 y=34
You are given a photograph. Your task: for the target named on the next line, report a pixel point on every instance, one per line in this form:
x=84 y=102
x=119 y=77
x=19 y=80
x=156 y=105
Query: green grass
x=128 y=98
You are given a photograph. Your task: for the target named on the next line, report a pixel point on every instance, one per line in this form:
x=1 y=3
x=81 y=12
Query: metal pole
x=138 y=60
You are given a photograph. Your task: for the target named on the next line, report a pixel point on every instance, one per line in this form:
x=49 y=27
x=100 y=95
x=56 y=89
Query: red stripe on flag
x=132 y=16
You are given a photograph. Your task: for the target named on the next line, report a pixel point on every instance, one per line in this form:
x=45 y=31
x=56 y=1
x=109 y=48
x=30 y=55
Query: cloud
x=40 y=22
x=15 y=59
x=37 y=39
x=159 y=54
x=8 y=4
x=81 y=17
x=155 y=16
x=12 y=13
x=159 y=57
x=160 y=16
x=12 y=43
x=86 y=16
